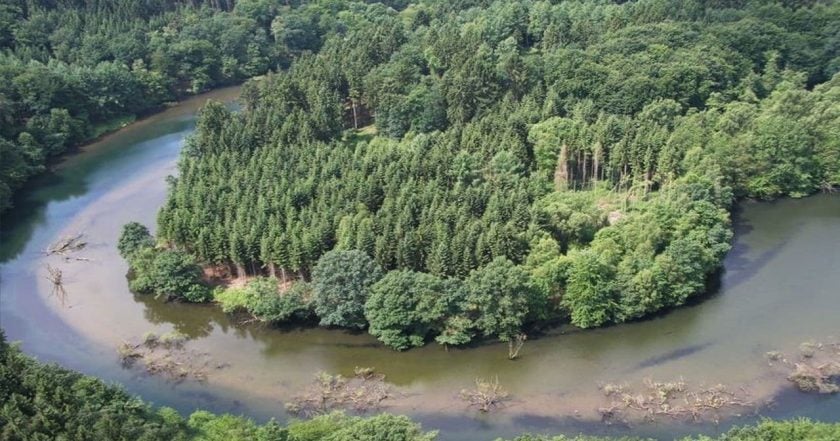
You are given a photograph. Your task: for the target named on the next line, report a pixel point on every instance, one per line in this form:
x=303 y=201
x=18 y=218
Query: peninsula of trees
x=452 y=170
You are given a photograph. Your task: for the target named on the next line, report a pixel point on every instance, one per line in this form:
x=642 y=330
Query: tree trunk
x=583 y=177
x=355 y=116
x=596 y=162
x=561 y=172
x=515 y=345
x=623 y=174
x=240 y=271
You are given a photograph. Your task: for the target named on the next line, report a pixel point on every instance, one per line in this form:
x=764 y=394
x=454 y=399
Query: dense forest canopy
x=47 y=402
x=512 y=162
x=72 y=69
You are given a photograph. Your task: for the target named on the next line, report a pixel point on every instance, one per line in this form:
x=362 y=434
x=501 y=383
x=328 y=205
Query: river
x=780 y=287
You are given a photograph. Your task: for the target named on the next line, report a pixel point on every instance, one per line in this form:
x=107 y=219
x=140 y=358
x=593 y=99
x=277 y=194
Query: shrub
x=134 y=237
x=406 y=307
x=342 y=281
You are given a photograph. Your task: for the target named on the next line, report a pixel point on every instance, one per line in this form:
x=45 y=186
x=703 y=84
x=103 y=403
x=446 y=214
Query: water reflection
x=778 y=289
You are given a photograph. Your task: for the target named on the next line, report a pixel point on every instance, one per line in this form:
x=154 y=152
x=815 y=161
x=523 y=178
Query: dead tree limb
x=515 y=345
x=67 y=245
x=56 y=276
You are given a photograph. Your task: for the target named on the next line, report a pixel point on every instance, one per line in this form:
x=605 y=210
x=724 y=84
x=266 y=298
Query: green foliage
x=337 y=426
x=262 y=299
x=232 y=299
x=407 y=307
x=529 y=437
x=220 y=428
x=294 y=304
x=342 y=281
x=457 y=330
x=571 y=217
x=205 y=426
x=178 y=275
x=133 y=238
x=45 y=401
x=382 y=427
x=657 y=256
x=72 y=70
x=591 y=294
x=564 y=159
x=163 y=272
x=498 y=298
x=769 y=430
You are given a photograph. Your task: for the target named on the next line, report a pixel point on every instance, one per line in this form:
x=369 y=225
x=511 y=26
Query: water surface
x=779 y=288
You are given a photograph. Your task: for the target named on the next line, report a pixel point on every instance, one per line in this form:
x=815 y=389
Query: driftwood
x=56 y=276
x=823 y=378
x=67 y=245
x=670 y=399
x=817 y=370
x=165 y=355
x=487 y=395
x=365 y=391
x=515 y=345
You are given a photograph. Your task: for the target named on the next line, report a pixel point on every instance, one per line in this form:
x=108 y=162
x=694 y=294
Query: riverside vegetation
x=449 y=171
x=425 y=170
x=44 y=401
x=73 y=70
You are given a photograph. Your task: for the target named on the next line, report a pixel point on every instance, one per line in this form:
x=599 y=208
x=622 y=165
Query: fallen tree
x=67 y=245
x=365 y=391
x=675 y=399
x=487 y=395
x=817 y=369
x=167 y=356
x=56 y=277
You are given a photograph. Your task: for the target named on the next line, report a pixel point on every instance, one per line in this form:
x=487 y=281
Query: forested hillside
x=459 y=169
x=72 y=69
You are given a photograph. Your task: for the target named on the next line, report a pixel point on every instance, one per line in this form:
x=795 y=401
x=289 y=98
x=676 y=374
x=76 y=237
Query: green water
x=780 y=287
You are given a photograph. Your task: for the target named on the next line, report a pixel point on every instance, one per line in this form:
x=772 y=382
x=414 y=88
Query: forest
x=452 y=171
x=47 y=402
x=74 y=69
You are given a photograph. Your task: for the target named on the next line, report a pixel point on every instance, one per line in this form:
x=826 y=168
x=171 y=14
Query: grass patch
x=355 y=136
x=111 y=125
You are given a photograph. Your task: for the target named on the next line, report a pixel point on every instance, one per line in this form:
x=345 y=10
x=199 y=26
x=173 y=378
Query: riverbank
x=769 y=299
x=556 y=381
x=77 y=403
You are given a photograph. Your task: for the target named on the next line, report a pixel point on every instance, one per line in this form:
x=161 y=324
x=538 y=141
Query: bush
x=46 y=402
x=170 y=273
x=231 y=299
x=134 y=237
x=261 y=298
x=500 y=296
x=406 y=307
x=338 y=427
x=342 y=281
x=294 y=304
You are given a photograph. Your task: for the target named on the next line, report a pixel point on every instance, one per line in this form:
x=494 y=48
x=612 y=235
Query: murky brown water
x=780 y=287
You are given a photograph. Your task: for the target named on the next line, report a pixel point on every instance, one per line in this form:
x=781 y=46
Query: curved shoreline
x=722 y=339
